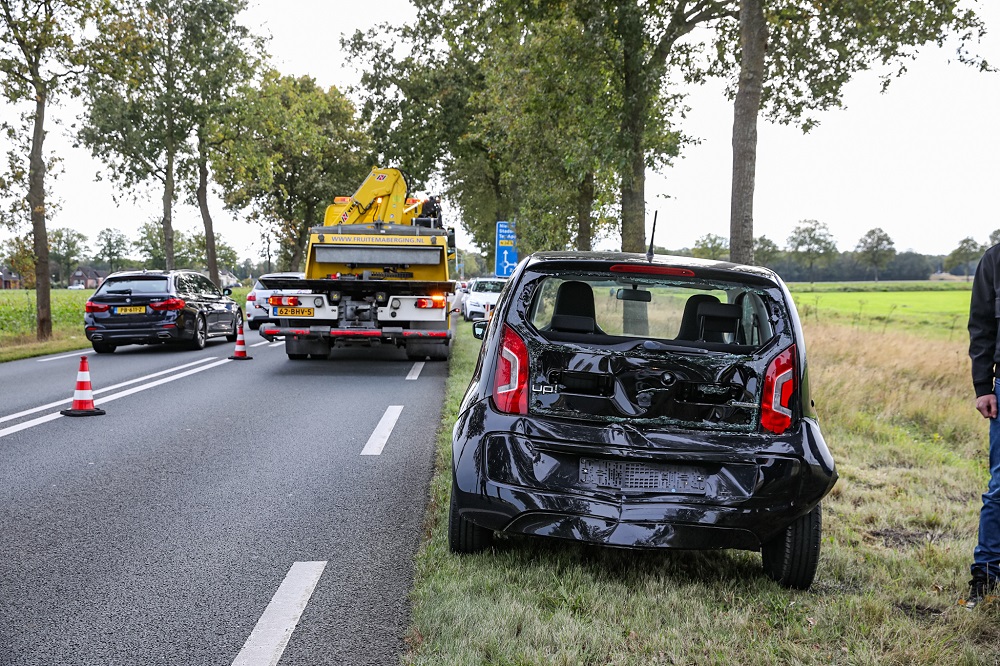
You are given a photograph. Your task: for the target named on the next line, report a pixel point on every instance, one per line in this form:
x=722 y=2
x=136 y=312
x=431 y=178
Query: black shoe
x=981 y=592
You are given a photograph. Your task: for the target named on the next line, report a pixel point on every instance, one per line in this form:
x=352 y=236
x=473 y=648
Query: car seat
x=574 y=310
x=690 y=326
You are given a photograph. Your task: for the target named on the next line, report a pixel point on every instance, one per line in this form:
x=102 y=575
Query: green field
x=940 y=313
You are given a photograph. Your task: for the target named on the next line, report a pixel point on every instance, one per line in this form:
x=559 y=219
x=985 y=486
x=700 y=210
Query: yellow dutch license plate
x=293 y=312
x=131 y=309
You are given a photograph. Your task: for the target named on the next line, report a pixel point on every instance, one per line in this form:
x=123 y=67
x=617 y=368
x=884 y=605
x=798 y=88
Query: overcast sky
x=921 y=161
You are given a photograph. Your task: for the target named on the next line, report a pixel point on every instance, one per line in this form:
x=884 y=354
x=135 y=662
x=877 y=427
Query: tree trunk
x=753 y=46
x=584 y=209
x=168 y=200
x=36 y=201
x=633 y=183
x=206 y=216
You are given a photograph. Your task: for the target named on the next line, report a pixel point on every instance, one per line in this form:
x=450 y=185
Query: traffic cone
x=83 y=397
x=241 y=348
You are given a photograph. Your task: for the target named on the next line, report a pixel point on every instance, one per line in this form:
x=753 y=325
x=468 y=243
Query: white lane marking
x=258 y=344
x=278 y=343
x=56 y=358
x=269 y=637
x=11 y=417
x=110 y=398
x=158 y=382
x=415 y=370
x=29 y=424
x=382 y=431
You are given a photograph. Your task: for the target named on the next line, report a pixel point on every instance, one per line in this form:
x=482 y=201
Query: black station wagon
x=642 y=403
x=151 y=307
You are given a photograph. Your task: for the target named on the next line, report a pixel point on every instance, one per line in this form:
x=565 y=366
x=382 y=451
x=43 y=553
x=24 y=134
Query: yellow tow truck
x=376 y=273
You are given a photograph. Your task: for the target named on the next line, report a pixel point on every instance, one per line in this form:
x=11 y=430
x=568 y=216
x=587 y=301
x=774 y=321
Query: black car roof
x=706 y=268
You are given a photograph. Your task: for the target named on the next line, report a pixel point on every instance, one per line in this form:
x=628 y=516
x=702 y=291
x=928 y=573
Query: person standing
x=984 y=350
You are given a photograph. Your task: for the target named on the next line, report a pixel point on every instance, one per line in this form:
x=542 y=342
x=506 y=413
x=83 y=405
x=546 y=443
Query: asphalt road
x=221 y=512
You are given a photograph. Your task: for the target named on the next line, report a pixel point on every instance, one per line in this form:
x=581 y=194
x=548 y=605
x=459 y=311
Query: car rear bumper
x=137 y=336
x=532 y=484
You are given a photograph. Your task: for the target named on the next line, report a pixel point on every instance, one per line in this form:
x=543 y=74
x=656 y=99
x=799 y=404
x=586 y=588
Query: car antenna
x=649 y=253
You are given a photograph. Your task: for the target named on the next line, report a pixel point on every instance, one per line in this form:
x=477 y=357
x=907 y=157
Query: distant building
x=87 y=277
x=9 y=279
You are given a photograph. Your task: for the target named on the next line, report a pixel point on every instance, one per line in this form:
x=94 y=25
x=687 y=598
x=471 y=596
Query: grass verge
x=898 y=536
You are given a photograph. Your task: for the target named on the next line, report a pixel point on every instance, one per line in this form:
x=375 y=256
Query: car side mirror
x=227 y=292
x=479 y=328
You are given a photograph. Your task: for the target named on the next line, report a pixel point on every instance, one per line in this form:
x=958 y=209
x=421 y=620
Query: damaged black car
x=643 y=402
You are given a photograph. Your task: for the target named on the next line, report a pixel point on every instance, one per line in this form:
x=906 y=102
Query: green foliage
x=17 y=253
x=876 y=249
x=112 y=247
x=161 y=91
x=811 y=243
x=765 y=251
x=66 y=248
x=711 y=246
x=966 y=254
x=813 y=50
x=296 y=147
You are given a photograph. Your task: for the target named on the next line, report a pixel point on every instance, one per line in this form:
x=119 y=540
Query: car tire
x=104 y=348
x=200 y=334
x=254 y=325
x=791 y=557
x=297 y=357
x=237 y=323
x=463 y=536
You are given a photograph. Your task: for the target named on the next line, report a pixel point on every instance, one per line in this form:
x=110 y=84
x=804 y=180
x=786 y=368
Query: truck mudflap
x=389 y=335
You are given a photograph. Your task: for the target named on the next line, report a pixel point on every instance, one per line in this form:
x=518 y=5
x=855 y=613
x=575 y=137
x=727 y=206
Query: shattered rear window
x=651 y=349
x=638 y=307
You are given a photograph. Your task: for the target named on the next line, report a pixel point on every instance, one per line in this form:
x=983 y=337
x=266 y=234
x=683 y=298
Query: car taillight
x=780 y=382
x=435 y=301
x=510 y=383
x=168 y=304
x=252 y=296
x=96 y=307
x=287 y=301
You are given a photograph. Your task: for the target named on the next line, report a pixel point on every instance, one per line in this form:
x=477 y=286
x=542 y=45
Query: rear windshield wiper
x=653 y=345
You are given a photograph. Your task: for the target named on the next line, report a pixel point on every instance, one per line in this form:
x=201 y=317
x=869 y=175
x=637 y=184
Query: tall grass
x=899 y=529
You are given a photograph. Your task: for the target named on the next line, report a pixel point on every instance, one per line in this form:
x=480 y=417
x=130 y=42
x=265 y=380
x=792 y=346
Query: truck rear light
x=780 y=383
x=168 y=304
x=435 y=301
x=288 y=301
x=96 y=307
x=510 y=383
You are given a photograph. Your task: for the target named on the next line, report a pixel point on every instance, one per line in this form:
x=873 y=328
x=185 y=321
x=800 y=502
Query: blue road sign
x=506 y=249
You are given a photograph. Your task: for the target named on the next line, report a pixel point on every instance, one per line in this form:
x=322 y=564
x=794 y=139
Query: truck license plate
x=293 y=312
x=652 y=477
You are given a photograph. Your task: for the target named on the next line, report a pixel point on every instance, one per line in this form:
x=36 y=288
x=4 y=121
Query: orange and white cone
x=241 y=347
x=83 y=397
